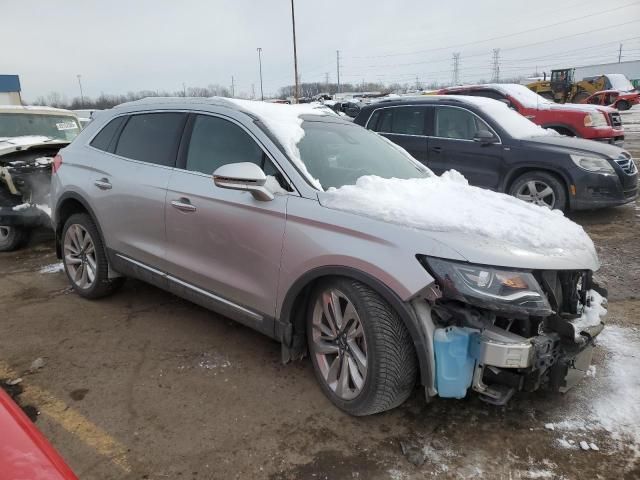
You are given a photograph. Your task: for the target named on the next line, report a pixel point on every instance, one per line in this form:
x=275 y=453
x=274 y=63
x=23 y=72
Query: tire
x=84 y=258
x=375 y=347
x=623 y=105
x=555 y=198
x=12 y=238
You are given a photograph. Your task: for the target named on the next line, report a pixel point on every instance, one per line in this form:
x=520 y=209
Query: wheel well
x=68 y=207
x=562 y=130
x=518 y=173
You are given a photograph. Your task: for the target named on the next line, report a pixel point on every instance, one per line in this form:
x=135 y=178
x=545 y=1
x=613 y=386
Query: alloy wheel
x=537 y=192
x=339 y=344
x=80 y=256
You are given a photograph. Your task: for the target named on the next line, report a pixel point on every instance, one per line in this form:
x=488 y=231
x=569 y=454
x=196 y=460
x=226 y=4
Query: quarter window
x=151 y=137
x=457 y=124
x=103 y=139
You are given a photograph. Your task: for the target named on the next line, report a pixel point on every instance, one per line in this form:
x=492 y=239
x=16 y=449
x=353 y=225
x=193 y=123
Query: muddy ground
x=144 y=385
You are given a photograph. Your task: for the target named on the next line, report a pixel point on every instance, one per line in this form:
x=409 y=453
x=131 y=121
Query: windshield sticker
x=66 y=126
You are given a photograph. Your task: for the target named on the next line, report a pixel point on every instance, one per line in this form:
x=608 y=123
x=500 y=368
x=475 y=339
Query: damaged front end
x=499 y=331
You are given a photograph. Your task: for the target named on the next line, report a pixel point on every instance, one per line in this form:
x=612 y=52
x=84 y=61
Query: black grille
x=627 y=164
x=615 y=119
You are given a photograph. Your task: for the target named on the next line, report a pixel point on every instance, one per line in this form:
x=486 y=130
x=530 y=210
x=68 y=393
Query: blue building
x=10 y=90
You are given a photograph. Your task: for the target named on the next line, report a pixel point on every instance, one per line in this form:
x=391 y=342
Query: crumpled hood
x=14 y=144
x=482 y=226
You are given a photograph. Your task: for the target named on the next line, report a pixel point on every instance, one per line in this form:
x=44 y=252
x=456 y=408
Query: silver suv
x=313 y=231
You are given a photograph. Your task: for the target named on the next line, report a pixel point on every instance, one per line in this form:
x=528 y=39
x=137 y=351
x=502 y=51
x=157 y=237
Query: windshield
x=516 y=125
x=619 y=82
x=337 y=154
x=58 y=127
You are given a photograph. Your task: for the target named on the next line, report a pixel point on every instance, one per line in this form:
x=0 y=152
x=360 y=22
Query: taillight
x=57 y=163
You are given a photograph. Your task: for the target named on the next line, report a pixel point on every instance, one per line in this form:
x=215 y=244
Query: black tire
x=391 y=360
x=102 y=284
x=12 y=238
x=623 y=105
x=542 y=178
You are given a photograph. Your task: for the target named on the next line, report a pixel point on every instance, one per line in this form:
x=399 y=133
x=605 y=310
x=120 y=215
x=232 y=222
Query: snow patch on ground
x=592 y=313
x=53 y=268
x=448 y=203
x=285 y=122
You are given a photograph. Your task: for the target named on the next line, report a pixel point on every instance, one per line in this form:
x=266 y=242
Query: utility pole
x=295 y=51
x=338 y=67
x=233 y=87
x=253 y=91
x=496 y=65
x=81 y=94
x=184 y=90
x=456 y=69
x=620 y=54
x=260 y=64
x=326 y=80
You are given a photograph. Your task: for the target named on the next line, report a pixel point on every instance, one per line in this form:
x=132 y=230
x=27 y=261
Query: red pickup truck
x=594 y=122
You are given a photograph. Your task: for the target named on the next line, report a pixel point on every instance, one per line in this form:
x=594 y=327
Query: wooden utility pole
x=295 y=52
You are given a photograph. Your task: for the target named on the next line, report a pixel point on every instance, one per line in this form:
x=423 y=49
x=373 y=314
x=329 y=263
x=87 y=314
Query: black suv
x=497 y=148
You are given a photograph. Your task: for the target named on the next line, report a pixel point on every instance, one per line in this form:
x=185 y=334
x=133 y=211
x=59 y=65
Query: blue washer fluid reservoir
x=454 y=360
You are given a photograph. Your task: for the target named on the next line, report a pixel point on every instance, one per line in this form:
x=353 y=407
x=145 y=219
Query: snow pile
x=593 y=311
x=448 y=203
x=285 y=122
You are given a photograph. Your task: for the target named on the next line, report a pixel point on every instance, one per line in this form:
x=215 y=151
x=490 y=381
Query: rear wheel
x=361 y=352
x=85 y=260
x=623 y=105
x=540 y=188
x=12 y=238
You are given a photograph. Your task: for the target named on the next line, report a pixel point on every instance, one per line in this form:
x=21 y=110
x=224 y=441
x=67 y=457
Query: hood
x=484 y=227
x=14 y=144
x=574 y=145
x=574 y=107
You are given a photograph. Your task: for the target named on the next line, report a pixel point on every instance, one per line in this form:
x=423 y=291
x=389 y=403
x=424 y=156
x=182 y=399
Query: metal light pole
x=295 y=52
x=260 y=63
x=81 y=94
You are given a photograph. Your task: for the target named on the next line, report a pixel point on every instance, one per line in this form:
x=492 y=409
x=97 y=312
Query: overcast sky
x=128 y=45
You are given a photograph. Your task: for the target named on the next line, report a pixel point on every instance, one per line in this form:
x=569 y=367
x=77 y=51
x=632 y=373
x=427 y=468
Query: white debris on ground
x=209 y=361
x=449 y=203
x=285 y=122
x=591 y=314
x=539 y=473
x=53 y=268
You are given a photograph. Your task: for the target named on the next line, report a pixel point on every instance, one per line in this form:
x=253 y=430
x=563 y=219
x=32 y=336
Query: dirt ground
x=144 y=385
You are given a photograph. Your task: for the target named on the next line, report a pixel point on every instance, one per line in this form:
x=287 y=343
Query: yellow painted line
x=71 y=420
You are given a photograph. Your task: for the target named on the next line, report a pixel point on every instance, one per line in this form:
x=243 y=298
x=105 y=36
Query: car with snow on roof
x=599 y=123
x=29 y=139
x=333 y=241
x=496 y=148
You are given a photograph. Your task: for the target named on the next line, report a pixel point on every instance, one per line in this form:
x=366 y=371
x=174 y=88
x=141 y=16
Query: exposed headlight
x=593 y=164
x=596 y=119
x=488 y=287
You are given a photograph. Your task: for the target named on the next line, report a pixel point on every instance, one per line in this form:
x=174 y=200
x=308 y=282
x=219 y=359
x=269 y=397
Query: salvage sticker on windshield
x=66 y=126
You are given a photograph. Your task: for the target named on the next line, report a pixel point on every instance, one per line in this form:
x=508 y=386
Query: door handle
x=103 y=184
x=436 y=149
x=183 y=204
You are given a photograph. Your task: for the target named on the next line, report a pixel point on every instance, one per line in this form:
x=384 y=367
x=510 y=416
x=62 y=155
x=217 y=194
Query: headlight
x=492 y=288
x=593 y=164
x=596 y=119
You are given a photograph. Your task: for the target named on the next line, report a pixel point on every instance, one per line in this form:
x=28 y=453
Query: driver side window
x=458 y=124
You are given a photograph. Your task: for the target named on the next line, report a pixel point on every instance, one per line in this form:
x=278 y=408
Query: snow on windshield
x=449 y=203
x=285 y=122
x=619 y=82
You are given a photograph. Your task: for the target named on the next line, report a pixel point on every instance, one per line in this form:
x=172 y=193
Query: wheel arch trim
x=60 y=225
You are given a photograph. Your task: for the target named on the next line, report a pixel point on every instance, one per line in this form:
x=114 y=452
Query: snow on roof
x=448 y=203
x=285 y=122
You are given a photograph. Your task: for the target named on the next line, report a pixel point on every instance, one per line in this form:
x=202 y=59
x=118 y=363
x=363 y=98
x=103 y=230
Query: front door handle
x=436 y=149
x=183 y=204
x=103 y=184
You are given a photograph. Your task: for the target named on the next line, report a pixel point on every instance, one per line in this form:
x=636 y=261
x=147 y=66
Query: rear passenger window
x=402 y=120
x=152 y=138
x=103 y=139
x=216 y=142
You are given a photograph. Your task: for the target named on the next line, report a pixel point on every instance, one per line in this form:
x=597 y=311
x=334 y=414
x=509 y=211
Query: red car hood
x=24 y=452
x=574 y=107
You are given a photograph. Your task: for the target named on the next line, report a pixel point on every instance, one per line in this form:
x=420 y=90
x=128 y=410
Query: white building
x=10 y=90
x=629 y=69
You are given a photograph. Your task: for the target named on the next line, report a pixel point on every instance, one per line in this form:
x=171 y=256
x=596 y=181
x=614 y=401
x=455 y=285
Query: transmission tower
x=456 y=69
x=496 y=65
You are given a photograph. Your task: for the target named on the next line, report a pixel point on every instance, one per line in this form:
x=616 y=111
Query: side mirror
x=245 y=176
x=484 y=137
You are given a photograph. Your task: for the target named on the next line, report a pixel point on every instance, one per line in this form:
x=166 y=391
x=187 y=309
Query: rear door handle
x=183 y=204
x=103 y=184
x=436 y=149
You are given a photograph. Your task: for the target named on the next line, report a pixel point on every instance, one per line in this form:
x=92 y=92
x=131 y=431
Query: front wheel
x=540 y=188
x=12 y=238
x=362 y=354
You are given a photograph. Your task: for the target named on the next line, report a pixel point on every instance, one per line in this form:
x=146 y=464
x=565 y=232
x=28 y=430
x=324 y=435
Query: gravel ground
x=144 y=385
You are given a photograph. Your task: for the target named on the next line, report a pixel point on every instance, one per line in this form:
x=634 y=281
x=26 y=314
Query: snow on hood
x=285 y=122
x=449 y=204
